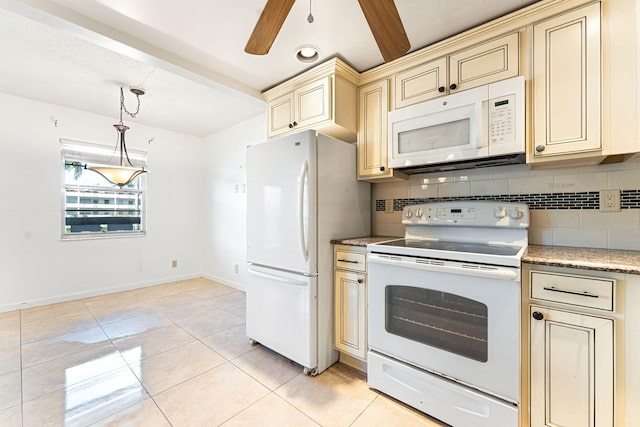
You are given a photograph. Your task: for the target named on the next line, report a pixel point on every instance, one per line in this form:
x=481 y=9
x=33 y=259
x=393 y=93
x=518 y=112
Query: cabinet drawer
x=583 y=291
x=351 y=260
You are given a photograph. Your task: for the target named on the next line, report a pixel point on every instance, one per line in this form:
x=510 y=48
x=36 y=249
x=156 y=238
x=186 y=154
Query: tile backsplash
x=564 y=203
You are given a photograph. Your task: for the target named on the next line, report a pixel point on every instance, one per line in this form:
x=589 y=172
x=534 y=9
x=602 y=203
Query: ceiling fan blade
x=386 y=26
x=268 y=26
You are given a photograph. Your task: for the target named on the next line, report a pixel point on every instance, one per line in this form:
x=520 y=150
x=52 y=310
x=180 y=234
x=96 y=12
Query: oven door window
x=439 y=319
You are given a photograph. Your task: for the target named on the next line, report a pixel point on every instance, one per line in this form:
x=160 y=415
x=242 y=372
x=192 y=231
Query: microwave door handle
x=482 y=127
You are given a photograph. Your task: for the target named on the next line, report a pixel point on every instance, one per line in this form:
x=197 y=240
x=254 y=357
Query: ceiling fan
x=382 y=17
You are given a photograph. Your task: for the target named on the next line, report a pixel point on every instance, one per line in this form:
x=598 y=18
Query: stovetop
x=481 y=248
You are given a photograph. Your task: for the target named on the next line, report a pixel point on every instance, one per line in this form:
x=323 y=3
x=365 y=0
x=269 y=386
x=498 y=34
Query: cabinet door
x=313 y=103
x=420 y=83
x=280 y=115
x=372 y=131
x=567 y=83
x=350 y=306
x=486 y=63
x=571 y=369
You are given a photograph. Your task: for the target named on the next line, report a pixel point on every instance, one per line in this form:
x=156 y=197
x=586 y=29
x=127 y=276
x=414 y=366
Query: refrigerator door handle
x=304 y=174
x=277 y=278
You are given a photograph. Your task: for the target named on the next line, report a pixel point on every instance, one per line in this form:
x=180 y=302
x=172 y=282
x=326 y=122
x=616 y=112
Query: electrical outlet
x=174 y=263
x=388 y=205
x=610 y=201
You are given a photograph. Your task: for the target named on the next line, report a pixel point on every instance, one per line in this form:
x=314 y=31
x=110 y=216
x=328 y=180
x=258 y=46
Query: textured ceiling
x=189 y=55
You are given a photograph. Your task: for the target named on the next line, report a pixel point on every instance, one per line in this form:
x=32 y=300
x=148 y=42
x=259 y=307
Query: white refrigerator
x=301 y=193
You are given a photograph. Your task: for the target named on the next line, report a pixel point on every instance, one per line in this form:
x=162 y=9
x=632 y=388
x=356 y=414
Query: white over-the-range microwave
x=483 y=126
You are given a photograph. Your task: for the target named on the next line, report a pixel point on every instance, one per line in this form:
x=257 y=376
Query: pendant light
x=123 y=174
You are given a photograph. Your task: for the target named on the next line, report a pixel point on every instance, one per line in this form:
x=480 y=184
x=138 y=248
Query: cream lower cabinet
x=566 y=85
x=350 y=287
x=572 y=369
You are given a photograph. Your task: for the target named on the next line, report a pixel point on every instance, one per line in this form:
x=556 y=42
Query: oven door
x=459 y=320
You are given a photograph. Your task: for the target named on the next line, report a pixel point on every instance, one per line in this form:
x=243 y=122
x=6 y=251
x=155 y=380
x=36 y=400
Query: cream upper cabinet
x=572 y=369
x=566 y=84
x=372 y=133
x=323 y=98
x=487 y=62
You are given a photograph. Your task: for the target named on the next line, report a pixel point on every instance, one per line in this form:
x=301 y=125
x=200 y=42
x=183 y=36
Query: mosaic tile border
x=629 y=199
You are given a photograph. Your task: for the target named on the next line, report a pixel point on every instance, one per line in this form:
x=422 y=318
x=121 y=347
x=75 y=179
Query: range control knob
x=408 y=213
x=516 y=214
x=500 y=213
x=419 y=213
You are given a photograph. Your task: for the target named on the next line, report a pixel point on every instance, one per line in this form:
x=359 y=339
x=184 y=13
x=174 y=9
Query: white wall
x=226 y=210
x=36 y=267
x=579 y=226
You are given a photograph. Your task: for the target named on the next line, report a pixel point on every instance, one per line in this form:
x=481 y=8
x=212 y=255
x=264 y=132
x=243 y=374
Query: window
x=94 y=207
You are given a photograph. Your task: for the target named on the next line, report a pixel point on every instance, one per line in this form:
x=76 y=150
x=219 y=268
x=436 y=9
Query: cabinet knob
x=537 y=315
x=441 y=89
x=360 y=280
x=381 y=168
x=295 y=123
x=290 y=125
x=453 y=86
x=540 y=148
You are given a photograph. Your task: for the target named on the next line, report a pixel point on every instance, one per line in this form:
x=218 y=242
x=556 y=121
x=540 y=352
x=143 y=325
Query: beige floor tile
x=271 y=411
x=210 y=290
x=53 y=312
x=271 y=369
x=172 y=367
x=37 y=352
x=239 y=310
x=135 y=325
x=157 y=291
x=142 y=414
x=209 y=325
x=385 y=411
x=146 y=344
x=211 y=398
x=86 y=402
x=9 y=329
x=10 y=394
x=55 y=327
x=9 y=359
x=190 y=310
x=230 y=300
x=230 y=343
x=169 y=302
x=11 y=417
x=336 y=397
x=66 y=371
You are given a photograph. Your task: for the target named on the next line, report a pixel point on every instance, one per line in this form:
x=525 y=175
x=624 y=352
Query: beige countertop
x=362 y=241
x=616 y=260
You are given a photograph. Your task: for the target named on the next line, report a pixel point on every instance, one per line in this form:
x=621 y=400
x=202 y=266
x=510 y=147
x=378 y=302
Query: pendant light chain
x=124 y=108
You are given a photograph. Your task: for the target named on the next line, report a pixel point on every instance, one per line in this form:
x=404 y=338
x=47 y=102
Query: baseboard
x=223 y=281
x=94 y=292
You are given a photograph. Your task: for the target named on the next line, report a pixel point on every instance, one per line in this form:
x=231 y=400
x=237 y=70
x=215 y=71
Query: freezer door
x=281 y=203
x=281 y=313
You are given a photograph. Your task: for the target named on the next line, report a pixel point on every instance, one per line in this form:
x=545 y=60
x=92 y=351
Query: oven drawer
x=584 y=291
x=349 y=260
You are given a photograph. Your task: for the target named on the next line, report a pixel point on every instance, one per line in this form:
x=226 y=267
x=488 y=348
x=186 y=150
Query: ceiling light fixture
x=121 y=175
x=307 y=53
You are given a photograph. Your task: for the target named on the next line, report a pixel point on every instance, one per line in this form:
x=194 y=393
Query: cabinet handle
x=453 y=86
x=290 y=126
x=348 y=260
x=540 y=148
x=295 y=123
x=360 y=280
x=441 y=89
x=582 y=294
x=537 y=315
x=381 y=168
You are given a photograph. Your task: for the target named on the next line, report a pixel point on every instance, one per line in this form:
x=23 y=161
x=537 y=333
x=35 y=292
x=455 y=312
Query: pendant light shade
x=124 y=173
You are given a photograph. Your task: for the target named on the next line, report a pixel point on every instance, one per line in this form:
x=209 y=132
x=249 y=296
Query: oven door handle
x=499 y=273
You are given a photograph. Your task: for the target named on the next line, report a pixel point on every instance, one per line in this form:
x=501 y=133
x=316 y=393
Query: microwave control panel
x=502 y=116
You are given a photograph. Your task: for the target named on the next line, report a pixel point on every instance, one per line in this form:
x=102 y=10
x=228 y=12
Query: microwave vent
x=510 y=159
